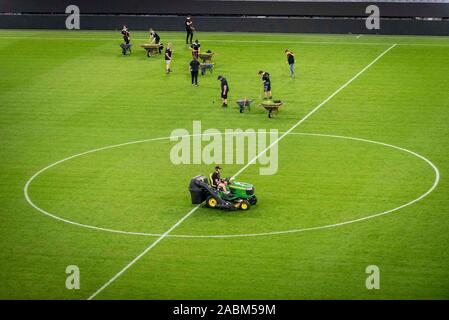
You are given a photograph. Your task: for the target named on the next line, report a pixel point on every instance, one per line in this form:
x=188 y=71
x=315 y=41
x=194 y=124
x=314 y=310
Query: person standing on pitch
x=125 y=34
x=168 y=57
x=194 y=68
x=290 y=61
x=224 y=90
x=266 y=84
x=196 y=47
x=189 y=29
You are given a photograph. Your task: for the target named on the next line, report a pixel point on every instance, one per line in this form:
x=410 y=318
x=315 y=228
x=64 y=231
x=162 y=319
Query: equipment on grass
x=126 y=48
x=206 y=66
x=206 y=57
x=152 y=48
x=242 y=103
x=272 y=106
x=241 y=194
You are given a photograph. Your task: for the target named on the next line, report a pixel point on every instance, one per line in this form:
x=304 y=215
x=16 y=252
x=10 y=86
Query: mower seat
x=211 y=181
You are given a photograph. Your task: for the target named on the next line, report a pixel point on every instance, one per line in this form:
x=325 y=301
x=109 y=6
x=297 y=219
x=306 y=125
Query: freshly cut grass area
x=65 y=93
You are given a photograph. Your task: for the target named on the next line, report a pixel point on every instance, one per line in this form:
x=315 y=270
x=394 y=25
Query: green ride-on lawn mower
x=241 y=194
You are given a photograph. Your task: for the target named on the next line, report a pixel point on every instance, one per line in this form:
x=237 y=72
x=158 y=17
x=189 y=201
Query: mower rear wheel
x=244 y=205
x=211 y=202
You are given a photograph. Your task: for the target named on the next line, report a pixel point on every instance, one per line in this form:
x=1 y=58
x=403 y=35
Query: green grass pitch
x=65 y=93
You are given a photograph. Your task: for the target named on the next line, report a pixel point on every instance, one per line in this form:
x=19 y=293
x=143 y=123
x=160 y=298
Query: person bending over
x=224 y=90
x=154 y=38
x=194 y=68
x=266 y=84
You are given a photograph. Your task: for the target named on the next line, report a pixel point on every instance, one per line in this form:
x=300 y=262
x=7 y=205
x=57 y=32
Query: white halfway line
x=143 y=253
x=239 y=172
x=312 y=112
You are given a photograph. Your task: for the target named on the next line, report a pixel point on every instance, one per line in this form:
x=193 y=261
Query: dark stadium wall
x=227 y=7
x=239 y=15
x=231 y=24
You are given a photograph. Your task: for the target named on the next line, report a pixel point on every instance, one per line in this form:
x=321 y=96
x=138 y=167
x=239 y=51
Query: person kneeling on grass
x=224 y=90
x=266 y=84
x=194 y=68
x=217 y=181
x=168 y=57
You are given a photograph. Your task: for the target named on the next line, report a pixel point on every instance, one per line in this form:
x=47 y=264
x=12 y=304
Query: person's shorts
x=167 y=61
x=224 y=95
x=267 y=87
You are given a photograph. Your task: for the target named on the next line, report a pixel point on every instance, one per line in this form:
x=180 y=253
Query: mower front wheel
x=253 y=201
x=244 y=205
x=211 y=202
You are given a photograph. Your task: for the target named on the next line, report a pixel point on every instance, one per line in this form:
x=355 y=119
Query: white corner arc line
x=240 y=171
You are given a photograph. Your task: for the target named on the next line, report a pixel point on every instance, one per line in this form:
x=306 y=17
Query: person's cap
x=219 y=77
x=217 y=167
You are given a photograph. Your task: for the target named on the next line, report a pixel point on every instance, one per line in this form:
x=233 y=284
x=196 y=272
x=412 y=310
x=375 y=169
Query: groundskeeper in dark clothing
x=189 y=30
x=194 y=68
x=224 y=90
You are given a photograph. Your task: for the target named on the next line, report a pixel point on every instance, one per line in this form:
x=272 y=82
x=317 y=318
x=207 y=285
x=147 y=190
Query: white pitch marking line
x=26 y=190
x=239 y=41
x=422 y=196
x=210 y=40
x=143 y=253
x=240 y=171
x=312 y=112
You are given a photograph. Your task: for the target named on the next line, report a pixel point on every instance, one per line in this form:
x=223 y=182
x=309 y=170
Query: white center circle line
x=43 y=211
